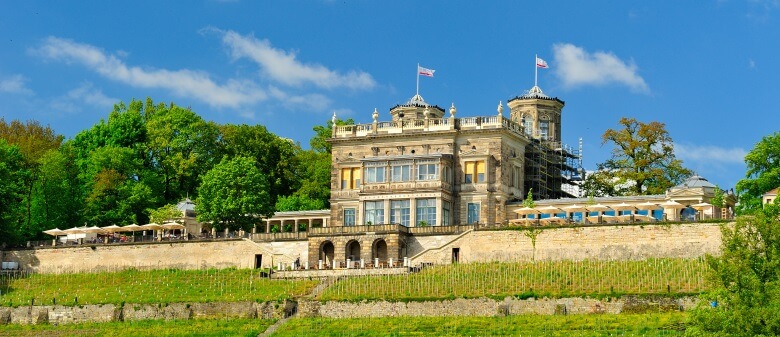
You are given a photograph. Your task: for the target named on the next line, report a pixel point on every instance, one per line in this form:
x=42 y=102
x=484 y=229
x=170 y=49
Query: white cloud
x=283 y=67
x=87 y=93
x=575 y=66
x=15 y=85
x=185 y=83
x=709 y=154
x=78 y=98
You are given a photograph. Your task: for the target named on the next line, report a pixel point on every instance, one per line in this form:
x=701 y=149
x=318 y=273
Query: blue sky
x=707 y=69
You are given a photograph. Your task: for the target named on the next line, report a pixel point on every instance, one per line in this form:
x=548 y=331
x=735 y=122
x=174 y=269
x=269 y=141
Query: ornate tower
x=539 y=114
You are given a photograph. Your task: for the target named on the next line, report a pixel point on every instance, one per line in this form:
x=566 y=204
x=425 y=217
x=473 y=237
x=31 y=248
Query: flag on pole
x=425 y=71
x=541 y=63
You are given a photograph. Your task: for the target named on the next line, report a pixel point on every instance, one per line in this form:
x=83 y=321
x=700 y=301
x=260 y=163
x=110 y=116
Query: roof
x=772 y=191
x=695 y=181
x=186 y=205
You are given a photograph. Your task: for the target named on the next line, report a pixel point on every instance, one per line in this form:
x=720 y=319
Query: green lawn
x=666 y=324
x=152 y=286
x=529 y=279
x=233 y=327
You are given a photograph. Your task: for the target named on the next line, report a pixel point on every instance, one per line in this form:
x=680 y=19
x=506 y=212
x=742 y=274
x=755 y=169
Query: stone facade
x=579 y=243
x=606 y=242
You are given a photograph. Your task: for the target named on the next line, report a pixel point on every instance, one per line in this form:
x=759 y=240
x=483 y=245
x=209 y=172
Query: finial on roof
x=333 y=119
x=500 y=109
x=375 y=115
x=426 y=112
x=453 y=110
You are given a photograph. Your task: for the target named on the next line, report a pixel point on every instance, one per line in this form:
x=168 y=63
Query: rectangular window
x=350 y=178
x=544 y=129
x=469 y=170
x=401 y=173
x=375 y=174
x=428 y=172
x=349 y=217
x=426 y=212
x=474 y=171
x=374 y=212
x=399 y=212
x=473 y=213
x=445 y=213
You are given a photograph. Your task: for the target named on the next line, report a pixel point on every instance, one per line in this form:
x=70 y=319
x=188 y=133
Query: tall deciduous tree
x=274 y=156
x=12 y=180
x=183 y=147
x=234 y=194
x=746 y=278
x=34 y=141
x=763 y=172
x=643 y=161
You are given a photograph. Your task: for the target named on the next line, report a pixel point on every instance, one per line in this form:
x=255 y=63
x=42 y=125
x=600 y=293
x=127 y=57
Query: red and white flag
x=425 y=71
x=541 y=63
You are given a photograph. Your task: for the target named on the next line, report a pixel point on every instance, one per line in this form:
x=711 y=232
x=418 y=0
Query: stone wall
x=630 y=242
x=182 y=255
x=626 y=242
x=489 y=307
x=57 y=314
x=307 y=308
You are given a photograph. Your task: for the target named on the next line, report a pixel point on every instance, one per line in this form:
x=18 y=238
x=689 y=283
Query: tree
x=529 y=199
x=34 y=141
x=298 y=203
x=763 y=173
x=274 y=156
x=746 y=277
x=182 y=147
x=165 y=213
x=322 y=133
x=12 y=192
x=233 y=194
x=642 y=162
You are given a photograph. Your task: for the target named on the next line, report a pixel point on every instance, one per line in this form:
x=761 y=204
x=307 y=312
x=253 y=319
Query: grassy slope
x=234 y=327
x=154 y=286
x=529 y=279
x=667 y=324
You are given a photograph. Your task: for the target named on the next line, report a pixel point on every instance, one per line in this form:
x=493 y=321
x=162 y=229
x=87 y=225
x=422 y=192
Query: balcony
x=340 y=230
x=426 y=125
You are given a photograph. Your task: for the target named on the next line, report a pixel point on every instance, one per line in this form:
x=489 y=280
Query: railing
x=455 y=229
x=134 y=239
x=279 y=236
x=358 y=229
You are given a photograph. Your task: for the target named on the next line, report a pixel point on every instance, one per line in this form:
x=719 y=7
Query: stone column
x=413 y=212
x=295 y=226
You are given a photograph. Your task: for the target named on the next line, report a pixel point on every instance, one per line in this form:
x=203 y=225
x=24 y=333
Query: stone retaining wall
x=308 y=308
x=315 y=273
x=57 y=314
x=490 y=307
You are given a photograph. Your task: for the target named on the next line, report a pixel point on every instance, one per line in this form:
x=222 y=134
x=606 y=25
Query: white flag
x=541 y=63
x=425 y=71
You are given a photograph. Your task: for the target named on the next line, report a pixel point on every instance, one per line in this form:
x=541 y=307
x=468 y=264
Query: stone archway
x=352 y=250
x=327 y=250
x=379 y=250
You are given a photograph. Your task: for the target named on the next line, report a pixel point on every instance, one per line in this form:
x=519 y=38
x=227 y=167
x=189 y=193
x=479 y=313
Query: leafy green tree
x=165 y=213
x=234 y=194
x=747 y=279
x=763 y=172
x=115 y=195
x=642 y=162
x=313 y=175
x=34 y=141
x=298 y=203
x=182 y=147
x=58 y=195
x=12 y=189
x=274 y=156
x=529 y=199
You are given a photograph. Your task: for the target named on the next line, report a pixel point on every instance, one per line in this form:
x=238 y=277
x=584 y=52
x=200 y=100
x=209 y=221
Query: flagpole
x=536 y=69
x=418 y=79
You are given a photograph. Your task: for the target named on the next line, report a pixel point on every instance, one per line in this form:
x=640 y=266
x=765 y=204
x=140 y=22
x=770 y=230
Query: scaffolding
x=551 y=167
